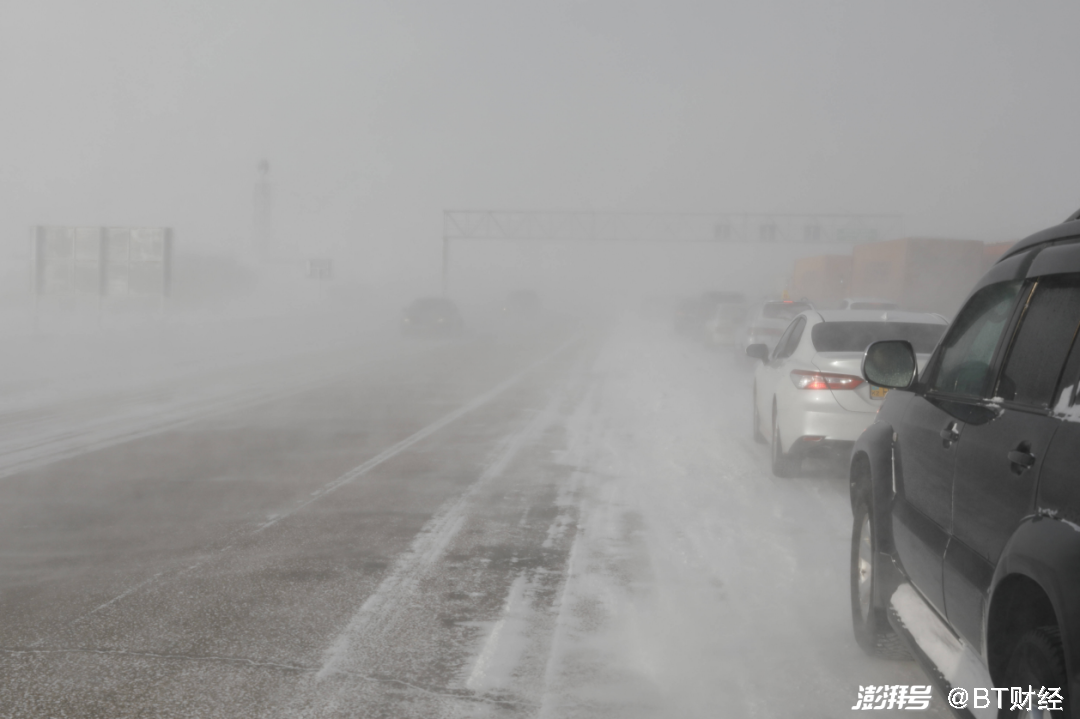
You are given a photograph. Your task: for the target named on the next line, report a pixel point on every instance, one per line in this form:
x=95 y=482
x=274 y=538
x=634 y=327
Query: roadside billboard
x=101 y=261
x=320 y=269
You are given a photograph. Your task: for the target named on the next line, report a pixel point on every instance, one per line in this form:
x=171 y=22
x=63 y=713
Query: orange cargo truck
x=823 y=279
x=922 y=274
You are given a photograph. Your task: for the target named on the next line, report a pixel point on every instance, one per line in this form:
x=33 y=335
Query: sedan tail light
x=805 y=379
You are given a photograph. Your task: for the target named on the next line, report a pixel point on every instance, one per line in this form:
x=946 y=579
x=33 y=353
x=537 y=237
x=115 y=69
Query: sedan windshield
x=856 y=336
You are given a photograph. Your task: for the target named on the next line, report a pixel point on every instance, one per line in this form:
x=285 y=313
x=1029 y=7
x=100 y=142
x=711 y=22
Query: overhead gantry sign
x=631 y=227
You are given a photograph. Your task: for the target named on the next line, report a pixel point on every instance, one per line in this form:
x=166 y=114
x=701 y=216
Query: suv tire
x=872 y=629
x=1038 y=660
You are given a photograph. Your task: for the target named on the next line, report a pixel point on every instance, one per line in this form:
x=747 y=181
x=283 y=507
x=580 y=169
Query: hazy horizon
x=376 y=117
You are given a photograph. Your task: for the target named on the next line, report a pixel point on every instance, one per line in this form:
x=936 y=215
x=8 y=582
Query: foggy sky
x=376 y=116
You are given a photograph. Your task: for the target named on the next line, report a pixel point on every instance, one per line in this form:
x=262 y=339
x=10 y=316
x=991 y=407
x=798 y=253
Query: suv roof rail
x=1065 y=232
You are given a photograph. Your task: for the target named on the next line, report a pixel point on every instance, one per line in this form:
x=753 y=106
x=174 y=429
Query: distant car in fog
x=432 y=317
x=809 y=395
x=521 y=304
x=771 y=319
x=727 y=324
x=688 y=315
x=694 y=315
x=867 y=303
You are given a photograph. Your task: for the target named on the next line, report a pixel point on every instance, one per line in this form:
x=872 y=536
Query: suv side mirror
x=758 y=351
x=890 y=363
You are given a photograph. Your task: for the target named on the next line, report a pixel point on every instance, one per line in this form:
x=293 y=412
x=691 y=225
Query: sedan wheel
x=758 y=436
x=783 y=465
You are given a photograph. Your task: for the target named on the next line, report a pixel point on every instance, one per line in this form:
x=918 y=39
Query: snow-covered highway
x=566 y=522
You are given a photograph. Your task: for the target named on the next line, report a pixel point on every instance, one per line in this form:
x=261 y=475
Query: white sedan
x=809 y=394
x=771 y=318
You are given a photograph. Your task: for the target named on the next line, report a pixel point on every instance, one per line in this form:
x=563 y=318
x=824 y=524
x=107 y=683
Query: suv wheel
x=783 y=465
x=872 y=630
x=1038 y=661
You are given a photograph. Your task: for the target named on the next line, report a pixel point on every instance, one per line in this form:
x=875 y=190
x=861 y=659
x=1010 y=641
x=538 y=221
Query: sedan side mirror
x=758 y=351
x=890 y=363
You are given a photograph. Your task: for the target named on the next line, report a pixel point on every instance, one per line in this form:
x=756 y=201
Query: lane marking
x=344 y=479
x=396 y=449
x=552 y=680
x=95 y=436
x=483 y=676
x=41 y=444
x=389 y=598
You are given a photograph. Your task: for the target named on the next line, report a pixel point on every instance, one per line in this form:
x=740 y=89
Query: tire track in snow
x=385 y=608
x=341 y=481
x=718 y=591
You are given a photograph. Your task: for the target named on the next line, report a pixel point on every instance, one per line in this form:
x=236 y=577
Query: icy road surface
x=547 y=524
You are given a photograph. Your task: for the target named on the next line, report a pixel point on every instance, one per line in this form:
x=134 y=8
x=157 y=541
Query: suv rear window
x=784 y=310
x=856 y=336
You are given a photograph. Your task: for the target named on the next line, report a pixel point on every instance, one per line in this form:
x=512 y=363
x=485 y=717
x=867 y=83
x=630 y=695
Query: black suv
x=965 y=546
